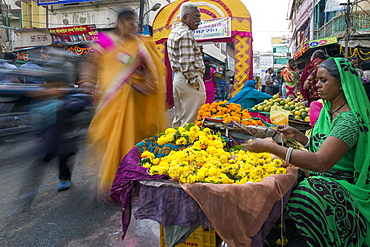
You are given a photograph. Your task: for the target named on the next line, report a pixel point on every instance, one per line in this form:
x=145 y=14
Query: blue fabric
x=34 y=67
x=249 y=96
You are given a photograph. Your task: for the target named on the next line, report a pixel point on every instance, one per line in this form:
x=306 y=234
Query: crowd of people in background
x=289 y=80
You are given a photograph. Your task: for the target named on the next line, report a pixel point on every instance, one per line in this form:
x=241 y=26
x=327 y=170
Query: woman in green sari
x=332 y=206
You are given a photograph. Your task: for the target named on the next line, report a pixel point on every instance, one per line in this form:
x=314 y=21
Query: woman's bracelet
x=86 y=80
x=308 y=142
x=84 y=74
x=288 y=154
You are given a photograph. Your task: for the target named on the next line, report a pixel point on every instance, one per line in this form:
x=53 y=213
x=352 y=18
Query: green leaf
x=186 y=137
x=177 y=135
x=145 y=160
x=188 y=126
x=237 y=147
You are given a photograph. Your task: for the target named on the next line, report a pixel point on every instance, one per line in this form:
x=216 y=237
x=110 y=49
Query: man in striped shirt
x=187 y=64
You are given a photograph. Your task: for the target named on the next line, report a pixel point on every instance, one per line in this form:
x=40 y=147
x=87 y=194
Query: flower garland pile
x=228 y=112
x=206 y=160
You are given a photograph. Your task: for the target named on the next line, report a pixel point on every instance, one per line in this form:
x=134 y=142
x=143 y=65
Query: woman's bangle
x=288 y=154
x=84 y=74
x=308 y=142
x=86 y=80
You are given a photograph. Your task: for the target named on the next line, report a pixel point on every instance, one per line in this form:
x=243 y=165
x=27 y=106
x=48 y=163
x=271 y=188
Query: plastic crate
x=202 y=237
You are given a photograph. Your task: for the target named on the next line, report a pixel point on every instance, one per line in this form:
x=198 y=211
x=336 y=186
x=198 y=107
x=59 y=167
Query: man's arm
x=268 y=80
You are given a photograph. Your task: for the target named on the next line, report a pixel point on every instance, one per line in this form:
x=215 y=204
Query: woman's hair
x=319 y=53
x=185 y=8
x=331 y=67
x=126 y=14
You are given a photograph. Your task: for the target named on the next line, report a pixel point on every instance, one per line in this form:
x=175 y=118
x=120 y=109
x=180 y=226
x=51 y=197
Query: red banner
x=74 y=33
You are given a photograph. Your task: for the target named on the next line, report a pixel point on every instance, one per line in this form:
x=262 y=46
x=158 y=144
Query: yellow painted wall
x=33 y=16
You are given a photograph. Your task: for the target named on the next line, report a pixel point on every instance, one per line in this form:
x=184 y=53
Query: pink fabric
x=169 y=86
x=210 y=86
x=315 y=108
x=241 y=34
x=105 y=41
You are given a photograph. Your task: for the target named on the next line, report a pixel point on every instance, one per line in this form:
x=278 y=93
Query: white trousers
x=187 y=100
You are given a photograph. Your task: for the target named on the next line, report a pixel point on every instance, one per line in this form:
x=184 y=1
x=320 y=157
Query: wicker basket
x=301 y=125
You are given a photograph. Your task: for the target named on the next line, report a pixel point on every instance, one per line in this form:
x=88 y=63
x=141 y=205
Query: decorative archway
x=241 y=35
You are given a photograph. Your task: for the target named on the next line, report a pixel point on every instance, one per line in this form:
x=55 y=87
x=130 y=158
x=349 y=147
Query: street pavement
x=33 y=213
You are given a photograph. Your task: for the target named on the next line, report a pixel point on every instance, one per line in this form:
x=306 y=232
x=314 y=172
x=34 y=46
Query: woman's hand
x=257 y=145
x=287 y=131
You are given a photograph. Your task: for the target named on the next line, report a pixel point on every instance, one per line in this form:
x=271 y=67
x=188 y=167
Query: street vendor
x=249 y=96
x=331 y=208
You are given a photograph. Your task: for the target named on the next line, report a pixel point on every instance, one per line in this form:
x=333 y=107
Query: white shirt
x=267 y=78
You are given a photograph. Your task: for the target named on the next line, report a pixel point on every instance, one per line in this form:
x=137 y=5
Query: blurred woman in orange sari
x=130 y=80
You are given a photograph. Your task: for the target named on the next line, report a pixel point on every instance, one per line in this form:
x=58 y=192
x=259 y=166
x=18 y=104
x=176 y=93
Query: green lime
x=304 y=114
x=267 y=109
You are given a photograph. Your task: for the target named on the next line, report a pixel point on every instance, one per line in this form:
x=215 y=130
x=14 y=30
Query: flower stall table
x=242 y=214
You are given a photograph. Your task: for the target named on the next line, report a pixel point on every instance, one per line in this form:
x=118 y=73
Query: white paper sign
x=32 y=38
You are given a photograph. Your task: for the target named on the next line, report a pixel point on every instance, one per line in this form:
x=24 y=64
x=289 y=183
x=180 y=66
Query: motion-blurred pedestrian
x=9 y=65
x=131 y=101
x=33 y=65
x=53 y=111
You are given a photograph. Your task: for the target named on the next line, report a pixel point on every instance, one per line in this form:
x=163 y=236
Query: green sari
x=333 y=208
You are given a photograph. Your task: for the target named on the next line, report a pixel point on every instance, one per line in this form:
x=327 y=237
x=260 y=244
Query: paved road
x=33 y=213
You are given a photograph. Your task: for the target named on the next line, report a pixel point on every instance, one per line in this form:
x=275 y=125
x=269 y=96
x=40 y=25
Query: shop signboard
x=32 y=38
x=74 y=33
x=230 y=63
x=322 y=42
x=49 y=2
x=212 y=29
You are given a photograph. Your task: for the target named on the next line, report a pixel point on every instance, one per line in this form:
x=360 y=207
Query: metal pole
x=6 y=27
x=141 y=15
x=347 y=16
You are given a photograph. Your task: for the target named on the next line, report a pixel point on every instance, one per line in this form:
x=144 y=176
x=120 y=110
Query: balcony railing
x=337 y=26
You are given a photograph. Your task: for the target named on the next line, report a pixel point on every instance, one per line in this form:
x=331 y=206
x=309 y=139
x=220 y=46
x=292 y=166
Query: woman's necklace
x=340 y=107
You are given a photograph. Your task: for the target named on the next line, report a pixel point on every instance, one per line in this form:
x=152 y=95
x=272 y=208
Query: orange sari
x=125 y=116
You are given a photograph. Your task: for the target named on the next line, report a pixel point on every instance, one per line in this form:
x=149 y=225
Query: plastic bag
x=279 y=116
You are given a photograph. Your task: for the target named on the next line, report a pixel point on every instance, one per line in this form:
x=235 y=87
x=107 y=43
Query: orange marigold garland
x=227 y=112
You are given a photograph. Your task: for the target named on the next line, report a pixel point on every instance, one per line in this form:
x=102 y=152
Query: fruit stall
x=298 y=113
x=197 y=180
